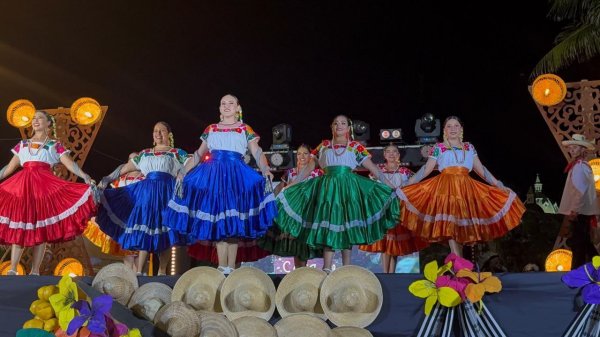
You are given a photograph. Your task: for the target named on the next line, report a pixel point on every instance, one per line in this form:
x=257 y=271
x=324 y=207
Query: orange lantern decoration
x=86 y=111
x=548 y=89
x=5 y=267
x=20 y=113
x=69 y=266
x=595 y=164
x=559 y=260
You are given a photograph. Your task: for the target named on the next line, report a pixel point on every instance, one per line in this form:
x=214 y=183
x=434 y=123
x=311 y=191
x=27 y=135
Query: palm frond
x=580 y=44
x=561 y=10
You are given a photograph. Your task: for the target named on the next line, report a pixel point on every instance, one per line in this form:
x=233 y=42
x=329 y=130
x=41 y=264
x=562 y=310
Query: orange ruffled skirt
x=398 y=241
x=106 y=244
x=452 y=205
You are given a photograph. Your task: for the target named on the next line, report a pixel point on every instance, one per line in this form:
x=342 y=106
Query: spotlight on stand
x=280 y=160
x=282 y=137
x=427 y=129
x=390 y=135
x=362 y=131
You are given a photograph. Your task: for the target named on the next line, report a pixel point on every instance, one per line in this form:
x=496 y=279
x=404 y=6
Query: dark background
x=300 y=62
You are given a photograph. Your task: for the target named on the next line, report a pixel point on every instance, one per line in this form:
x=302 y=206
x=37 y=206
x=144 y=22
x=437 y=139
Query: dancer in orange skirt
x=397 y=241
x=452 y=206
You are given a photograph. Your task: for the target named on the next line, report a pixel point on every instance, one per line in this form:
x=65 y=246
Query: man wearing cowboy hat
x=579 y=203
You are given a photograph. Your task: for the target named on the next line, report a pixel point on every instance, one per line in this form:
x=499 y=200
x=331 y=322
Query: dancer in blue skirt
x=223 y=200
x=132 y=215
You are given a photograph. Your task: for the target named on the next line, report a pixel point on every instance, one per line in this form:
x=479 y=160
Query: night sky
x=299 y=62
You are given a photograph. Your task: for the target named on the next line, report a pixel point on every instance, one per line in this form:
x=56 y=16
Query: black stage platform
x=530 y=304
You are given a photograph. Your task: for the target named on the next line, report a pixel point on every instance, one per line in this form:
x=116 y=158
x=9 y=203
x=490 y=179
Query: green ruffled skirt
x=283 y=244
x=337 y=210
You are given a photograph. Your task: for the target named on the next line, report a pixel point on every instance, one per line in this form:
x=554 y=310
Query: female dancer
x=398 y=241
x=339 y=209
x=131 y=215
x=452 y=206
x=281 y=243
x=106 y=244
x=223 y=199
x=37 y=207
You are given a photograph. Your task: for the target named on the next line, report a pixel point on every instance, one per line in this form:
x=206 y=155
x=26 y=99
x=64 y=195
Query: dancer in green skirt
x=339 y=209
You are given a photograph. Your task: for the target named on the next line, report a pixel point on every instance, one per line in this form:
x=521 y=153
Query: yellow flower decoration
x=133 y=333
x=61 y=302
x=596 y=261
x=427 y=289
x=483 y=282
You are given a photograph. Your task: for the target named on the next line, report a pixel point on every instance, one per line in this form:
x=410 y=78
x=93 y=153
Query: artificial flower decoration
x=456 y=283
x=586 y=276
x=62 y=302
x=458 y=263
x=482 y=283
x=93 y=316
x=432 y=294
x=133 y=333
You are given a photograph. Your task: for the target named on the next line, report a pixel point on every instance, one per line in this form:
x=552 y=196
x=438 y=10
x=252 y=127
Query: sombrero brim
x=587 y=145
x=148 y=291
x=249 y=276
x=254 y=327
x=357 y=276
x=302 y=325
x=291 y=281
x=206 y=275
x=119 y=270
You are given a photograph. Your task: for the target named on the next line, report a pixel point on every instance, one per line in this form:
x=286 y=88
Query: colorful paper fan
x=69 y=266
x=5 y=267
x=548 y=89
x=559 y=260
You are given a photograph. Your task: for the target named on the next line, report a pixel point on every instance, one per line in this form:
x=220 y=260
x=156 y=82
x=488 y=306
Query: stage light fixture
x=390 y=135
x=282 y=136
x=86 y=111
x=280 y=159
x=427 y=129
x=362 y=131
x=69 y=266
x=20 y=113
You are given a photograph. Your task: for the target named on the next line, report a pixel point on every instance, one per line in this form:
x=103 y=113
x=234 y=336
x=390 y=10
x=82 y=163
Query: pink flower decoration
x=457 y=283
x=458 y=262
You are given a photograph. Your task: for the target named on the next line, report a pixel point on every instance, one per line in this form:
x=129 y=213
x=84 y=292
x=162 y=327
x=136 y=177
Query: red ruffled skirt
x=37 y=207
x=248 y=251
x=452 y=205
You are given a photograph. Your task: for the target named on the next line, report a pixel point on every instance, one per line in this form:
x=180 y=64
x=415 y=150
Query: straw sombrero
x=149 y=298
x=200 y=287
x=298 y=292
x=216 y=325
x=351 y=296
x=178 y=320
x=580 y=140
x=116 y=280
x=248 y=291
x=350 y=331
x=302 y=325
x=254 y=327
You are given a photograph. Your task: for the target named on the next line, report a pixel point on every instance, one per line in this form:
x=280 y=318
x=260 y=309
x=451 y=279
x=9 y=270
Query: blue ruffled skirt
x=222 y=198
x=132 y=215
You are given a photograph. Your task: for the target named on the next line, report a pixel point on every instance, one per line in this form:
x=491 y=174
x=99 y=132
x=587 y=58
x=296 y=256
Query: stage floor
x=530 y=304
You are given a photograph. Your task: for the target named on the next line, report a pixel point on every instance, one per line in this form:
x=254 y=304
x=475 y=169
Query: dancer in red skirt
x=37 y=207
x=452 y=206
x=397 y=241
